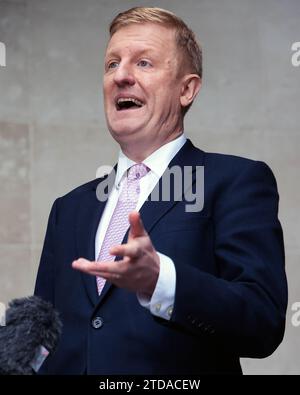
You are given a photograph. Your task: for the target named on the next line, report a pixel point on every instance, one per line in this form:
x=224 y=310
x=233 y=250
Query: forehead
x=142 y=37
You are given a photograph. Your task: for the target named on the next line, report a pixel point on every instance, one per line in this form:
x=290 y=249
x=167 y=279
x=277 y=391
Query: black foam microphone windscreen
x=32 y=331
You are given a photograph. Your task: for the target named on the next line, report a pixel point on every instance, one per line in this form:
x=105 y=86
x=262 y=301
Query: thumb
x=136 y=225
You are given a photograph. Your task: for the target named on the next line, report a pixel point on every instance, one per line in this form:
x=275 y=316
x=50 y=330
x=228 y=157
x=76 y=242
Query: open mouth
x=128 y=103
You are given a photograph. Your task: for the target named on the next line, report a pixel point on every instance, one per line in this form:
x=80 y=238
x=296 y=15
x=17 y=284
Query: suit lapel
x=189 y=157
x=88 y=219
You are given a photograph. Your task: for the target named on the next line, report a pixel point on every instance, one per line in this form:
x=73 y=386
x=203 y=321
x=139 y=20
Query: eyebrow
x=140 y=52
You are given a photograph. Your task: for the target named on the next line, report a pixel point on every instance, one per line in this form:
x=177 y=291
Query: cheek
x=107 y=88
x=167 y=97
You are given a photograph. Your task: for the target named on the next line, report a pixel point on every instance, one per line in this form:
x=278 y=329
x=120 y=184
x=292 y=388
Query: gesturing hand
x=138 y=270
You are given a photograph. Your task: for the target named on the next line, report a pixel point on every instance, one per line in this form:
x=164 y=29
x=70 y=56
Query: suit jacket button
x=170 y=311
x=97 y=322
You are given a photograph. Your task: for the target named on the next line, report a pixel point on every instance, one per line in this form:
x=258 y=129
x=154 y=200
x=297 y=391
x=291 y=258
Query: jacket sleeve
x=44 y=286
x=244 y=306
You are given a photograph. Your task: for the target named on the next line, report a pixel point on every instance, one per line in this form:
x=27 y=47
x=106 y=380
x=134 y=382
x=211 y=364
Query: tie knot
x=137 y=171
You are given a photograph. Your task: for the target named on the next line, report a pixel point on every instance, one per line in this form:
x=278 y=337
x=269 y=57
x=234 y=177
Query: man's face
x=142 y=85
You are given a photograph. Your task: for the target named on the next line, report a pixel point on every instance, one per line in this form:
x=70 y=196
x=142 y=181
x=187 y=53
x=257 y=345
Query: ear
x=191 y=85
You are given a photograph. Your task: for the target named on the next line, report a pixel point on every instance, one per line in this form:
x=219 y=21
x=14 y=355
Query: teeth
x=126 y=99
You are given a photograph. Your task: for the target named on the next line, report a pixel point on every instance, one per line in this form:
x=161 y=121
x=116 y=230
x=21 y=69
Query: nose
x=124 y=75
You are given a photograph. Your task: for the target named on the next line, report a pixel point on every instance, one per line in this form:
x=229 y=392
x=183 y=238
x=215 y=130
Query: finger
x=131 y=250
x=117 y=267
x=107 y=270
x=108 y=276
x=91 y=267
x=84 y=265
x=136 y=225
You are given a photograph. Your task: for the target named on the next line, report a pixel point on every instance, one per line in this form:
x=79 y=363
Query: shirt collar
x=157 y=162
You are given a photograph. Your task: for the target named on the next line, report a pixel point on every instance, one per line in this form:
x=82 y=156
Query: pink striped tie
x=119 y=221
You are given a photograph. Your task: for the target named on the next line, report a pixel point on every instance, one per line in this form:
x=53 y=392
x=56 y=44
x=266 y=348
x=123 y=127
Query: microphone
x=32 y=331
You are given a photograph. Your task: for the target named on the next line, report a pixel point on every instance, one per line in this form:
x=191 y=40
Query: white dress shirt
x=162 y=300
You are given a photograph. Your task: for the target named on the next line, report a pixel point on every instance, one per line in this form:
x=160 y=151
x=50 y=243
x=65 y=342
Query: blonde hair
x=185 y=37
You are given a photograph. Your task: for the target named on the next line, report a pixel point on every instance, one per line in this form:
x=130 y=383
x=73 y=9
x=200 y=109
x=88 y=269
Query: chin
x=120 y=130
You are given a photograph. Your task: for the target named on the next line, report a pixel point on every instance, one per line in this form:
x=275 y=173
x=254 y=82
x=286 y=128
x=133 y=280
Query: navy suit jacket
x=231 y=291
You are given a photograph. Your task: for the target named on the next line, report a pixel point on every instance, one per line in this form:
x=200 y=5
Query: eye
x=112 y=65
x=144 y=63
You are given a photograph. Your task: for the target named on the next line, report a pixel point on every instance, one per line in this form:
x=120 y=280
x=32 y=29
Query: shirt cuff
x=162 y=301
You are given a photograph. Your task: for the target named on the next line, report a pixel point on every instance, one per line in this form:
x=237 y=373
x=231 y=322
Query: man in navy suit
x=191 y=290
